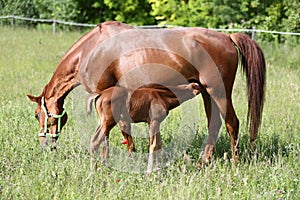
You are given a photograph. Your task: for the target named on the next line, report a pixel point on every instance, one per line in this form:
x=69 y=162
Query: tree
x=281 y=15
x=23 y=8
x=93 y=11
x=135 y=12
x=66 y=10
x=291 y=11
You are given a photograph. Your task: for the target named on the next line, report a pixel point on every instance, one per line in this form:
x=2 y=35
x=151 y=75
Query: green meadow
x=28 y=59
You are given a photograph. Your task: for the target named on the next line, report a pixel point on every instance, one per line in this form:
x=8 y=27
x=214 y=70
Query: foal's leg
x=155 y=144
x=101 y=137
x=214 y=124
x=126 y=131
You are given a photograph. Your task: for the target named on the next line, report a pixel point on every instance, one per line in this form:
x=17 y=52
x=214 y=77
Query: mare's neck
x=65 y=77
x=62 y=82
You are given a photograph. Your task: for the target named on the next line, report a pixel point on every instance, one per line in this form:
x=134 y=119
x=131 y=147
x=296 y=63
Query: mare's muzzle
x=44 y=132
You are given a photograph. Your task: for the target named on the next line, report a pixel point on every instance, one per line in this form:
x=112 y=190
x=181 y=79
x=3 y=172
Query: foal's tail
x=254 y=67
x=89 y=102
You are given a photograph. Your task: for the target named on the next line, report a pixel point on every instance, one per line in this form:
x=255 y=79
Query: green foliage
x=135 y=12
x=279 y=15
x=291 y=10
x=267 y=15
x=18 y=7
x=164 y=11
x=93 y=11
x=25 y=8
x=65 y=10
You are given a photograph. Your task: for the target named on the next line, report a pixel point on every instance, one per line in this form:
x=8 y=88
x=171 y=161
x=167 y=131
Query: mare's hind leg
x=126 y=131
x=214 y=123
x=232 y=124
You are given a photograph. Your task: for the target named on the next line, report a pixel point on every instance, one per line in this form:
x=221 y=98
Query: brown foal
x=150 y=103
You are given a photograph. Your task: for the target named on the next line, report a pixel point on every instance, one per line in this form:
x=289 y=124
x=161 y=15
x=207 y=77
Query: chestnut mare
x=114 y=53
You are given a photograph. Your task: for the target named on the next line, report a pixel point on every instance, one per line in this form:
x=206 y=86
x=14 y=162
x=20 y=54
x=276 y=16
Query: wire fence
x=54 y=23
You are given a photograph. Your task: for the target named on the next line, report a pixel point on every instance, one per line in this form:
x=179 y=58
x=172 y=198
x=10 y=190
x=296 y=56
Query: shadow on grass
x=267 y=148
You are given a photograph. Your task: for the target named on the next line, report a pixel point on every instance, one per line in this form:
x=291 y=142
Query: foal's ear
x=196 y=86
x=33 y=98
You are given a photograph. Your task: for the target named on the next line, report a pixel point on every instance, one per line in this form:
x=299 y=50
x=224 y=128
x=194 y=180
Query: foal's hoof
x=203 y=163
x=129 y=153
x=200 y=165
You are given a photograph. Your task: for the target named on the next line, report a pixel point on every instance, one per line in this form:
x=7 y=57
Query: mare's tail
x=89 y=101
x=254 y=67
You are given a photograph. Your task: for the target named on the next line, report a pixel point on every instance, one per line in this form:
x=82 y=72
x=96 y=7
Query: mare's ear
x=33 y=98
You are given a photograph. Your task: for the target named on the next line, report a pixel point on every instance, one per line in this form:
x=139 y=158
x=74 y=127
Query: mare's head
x=51 y=117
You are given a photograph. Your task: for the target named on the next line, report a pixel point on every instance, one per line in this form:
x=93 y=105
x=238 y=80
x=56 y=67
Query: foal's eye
x=37 y=115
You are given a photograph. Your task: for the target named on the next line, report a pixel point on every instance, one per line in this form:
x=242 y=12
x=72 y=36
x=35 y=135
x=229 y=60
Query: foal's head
x=195 y=88
x=51 y=117
x=189 y=89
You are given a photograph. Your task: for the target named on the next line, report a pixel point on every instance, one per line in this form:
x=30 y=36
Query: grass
x=27 y=60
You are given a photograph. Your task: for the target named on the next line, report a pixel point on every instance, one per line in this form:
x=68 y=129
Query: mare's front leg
x=214 y=124
x=155 y=144
x=126 y=131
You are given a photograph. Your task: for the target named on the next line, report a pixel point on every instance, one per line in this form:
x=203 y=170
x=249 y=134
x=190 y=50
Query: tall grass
x=27 y=61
